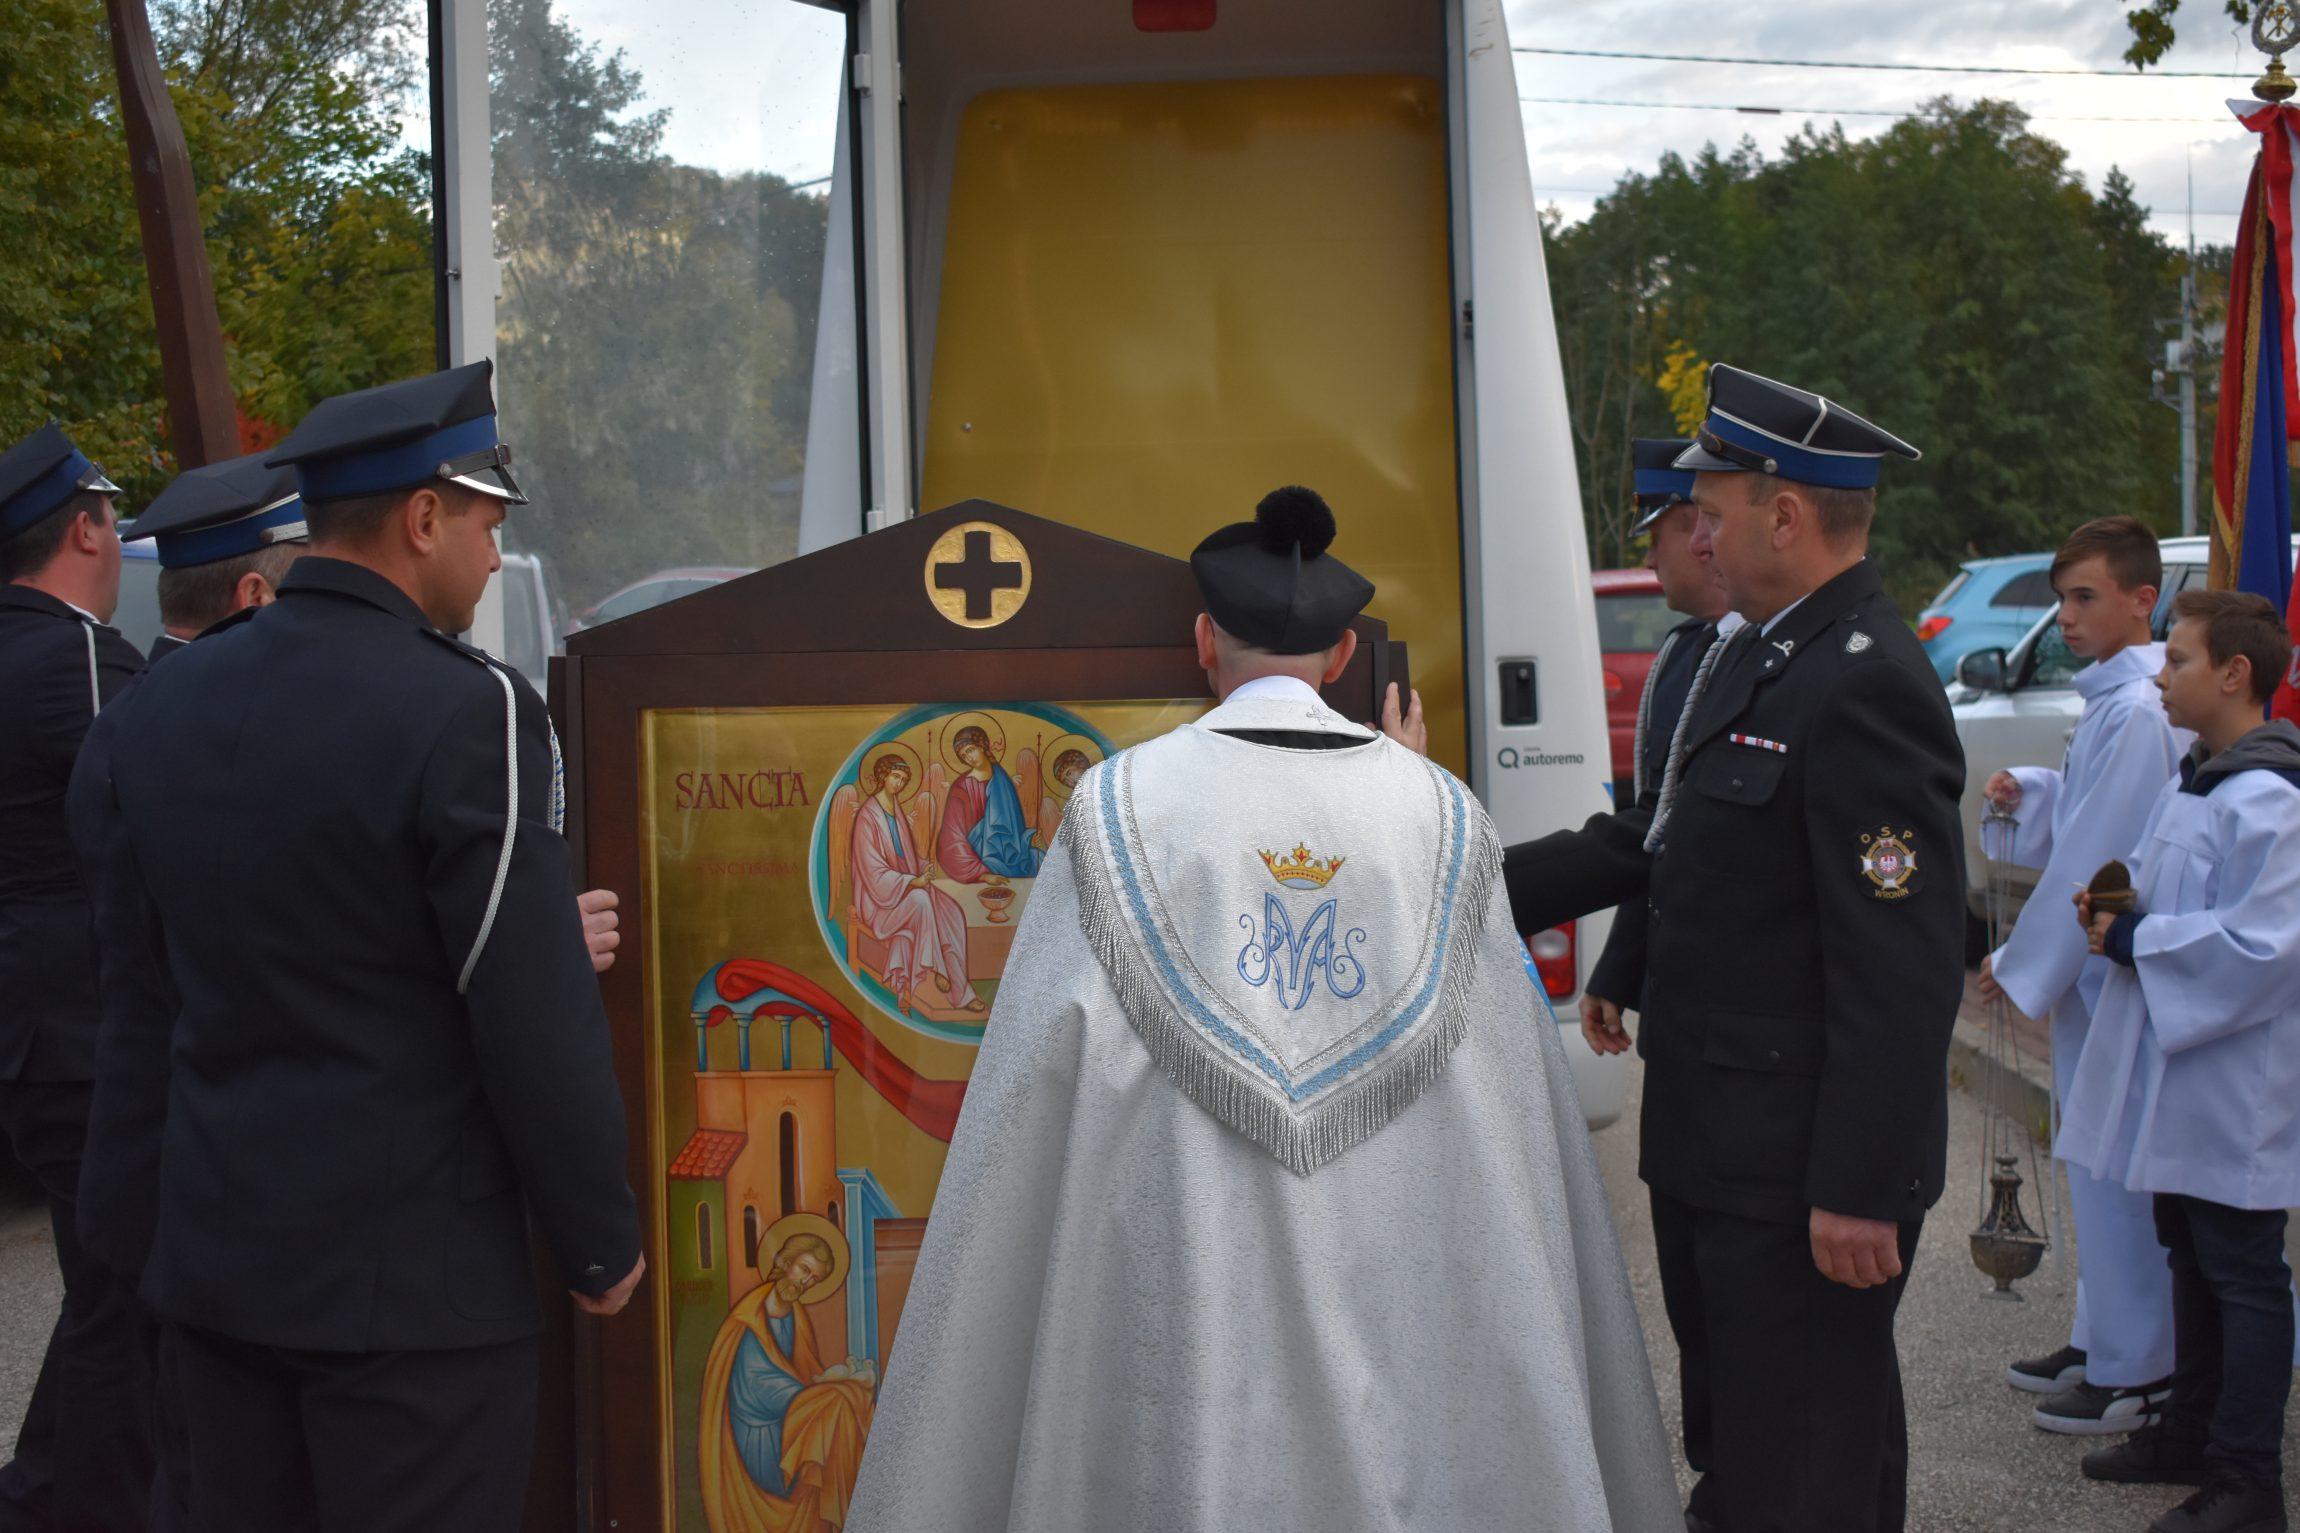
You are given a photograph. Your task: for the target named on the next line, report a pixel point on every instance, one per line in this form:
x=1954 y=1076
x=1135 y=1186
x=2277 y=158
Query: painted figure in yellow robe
x=782 y=1438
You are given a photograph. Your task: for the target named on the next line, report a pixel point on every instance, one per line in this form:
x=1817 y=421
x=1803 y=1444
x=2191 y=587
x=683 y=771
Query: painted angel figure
x=896 y=899
x=986 y=834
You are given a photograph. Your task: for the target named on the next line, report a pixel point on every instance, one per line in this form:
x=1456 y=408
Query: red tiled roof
x=708 y=1156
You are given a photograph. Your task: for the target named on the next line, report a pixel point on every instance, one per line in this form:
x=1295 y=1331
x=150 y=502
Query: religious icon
x=926 y=848
x=782 y=1433
x=821 y=981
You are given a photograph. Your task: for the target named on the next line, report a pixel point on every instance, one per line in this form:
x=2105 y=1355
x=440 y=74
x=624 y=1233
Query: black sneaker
x=2050 y=1374
x=2228 y=1503
x=2149 y=1457
x=2093 y=1410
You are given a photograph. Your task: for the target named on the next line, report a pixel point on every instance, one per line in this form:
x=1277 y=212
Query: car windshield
x=638 y=599
x=2055 y=666
x=1632 y=622
x=1956 y=583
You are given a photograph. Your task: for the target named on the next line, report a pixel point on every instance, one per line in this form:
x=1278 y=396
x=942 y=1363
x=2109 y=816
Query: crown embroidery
x=1299 y=869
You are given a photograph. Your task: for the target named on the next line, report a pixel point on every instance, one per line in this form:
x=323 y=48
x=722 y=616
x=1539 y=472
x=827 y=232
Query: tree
x=318 y=222
x=2152 y=29
x=679 y=440
x=1951 y=278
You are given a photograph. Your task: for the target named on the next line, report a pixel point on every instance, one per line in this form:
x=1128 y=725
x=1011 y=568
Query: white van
x=1130 y=266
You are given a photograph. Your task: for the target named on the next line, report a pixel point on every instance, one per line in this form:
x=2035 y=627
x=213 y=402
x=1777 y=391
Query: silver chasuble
x=1271 y=1204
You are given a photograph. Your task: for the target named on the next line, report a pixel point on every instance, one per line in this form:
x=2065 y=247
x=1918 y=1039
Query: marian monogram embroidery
x=1292 y=961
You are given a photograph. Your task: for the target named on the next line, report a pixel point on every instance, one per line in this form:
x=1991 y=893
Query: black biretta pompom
x=1290 y=515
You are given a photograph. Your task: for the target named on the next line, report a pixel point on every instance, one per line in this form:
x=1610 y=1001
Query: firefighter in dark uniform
x=80 y=1460
x=388 y=1046
x=1570 y=874
x=1803 y=970
x=225 y=535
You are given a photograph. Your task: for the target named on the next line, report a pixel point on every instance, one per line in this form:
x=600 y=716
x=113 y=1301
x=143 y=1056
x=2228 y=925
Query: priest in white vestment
x=1271 y=1207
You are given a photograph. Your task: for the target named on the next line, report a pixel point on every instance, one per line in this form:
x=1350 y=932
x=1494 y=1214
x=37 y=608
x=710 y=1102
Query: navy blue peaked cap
x=1755 y=424
x=1660 y=483
x=221 y=512
x=1270 y=581
x=39 y=474
x=401 y=435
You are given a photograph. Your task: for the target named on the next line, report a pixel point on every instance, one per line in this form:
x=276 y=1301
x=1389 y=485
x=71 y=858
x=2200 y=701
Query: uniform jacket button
x=1736 y=784
x=1772 y=1056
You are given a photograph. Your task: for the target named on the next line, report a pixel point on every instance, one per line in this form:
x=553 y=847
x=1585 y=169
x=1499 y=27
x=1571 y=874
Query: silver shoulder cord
x=557 y=812
x=95 y=692
x=1717 y=649
x=1645 y=714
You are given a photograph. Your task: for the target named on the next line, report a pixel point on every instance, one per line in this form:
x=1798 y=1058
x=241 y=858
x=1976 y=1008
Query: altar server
x=1271 y=1205
x=2189 y=1086
x=2111 y=1376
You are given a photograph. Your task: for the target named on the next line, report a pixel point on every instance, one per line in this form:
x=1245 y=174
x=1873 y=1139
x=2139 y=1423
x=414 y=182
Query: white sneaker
x=2094 y=1410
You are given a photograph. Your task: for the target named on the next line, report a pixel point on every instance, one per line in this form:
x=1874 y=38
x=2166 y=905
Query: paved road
x=1978 y=1466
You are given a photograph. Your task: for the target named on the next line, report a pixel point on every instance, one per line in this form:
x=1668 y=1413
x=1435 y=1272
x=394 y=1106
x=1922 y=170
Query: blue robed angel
x=985 y=836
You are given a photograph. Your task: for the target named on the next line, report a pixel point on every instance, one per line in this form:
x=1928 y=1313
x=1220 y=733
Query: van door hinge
x=866 y=75
x=1468 y=320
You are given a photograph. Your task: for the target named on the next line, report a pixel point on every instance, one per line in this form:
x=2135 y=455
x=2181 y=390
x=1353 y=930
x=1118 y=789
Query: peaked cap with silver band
x=403 y=435
x=1757 y=425
x=39 y=474
x=1660 y=482
x=220 y=512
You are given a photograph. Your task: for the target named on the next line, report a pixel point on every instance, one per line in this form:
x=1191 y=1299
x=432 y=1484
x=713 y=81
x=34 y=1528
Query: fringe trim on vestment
x=1303 y=1139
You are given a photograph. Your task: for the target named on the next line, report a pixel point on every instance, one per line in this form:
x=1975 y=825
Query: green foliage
x=2152 y=29
x=1951 y=279
x=318 y=222
x=645 y=445
x=75 y=325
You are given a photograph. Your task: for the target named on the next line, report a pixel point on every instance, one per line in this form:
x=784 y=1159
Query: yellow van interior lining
x=1160 y=301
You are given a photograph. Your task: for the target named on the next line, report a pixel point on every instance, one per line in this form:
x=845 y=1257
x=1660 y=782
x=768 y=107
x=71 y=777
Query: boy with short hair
x=2189 y=1087
x=2111 y=1375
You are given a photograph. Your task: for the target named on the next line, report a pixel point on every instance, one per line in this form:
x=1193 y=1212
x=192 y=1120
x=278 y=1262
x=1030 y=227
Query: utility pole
x=2188 y=368
x=2181 y=361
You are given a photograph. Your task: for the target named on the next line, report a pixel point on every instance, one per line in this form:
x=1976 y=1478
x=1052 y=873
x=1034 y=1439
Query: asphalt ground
x=1976 y=1462
x=1977 y=1465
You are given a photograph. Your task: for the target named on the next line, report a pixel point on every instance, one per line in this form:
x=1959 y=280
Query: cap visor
x=1699 y=460
x=491 y=481
x=1644 y=524
x=97 y=482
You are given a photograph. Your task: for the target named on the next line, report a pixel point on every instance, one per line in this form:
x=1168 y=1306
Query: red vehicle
x=1631 y=620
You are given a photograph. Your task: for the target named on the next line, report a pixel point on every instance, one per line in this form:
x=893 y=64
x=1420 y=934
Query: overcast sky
x=753 y=84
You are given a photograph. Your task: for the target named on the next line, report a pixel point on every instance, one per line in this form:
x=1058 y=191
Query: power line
x=1813 y=111
x=1952 y=69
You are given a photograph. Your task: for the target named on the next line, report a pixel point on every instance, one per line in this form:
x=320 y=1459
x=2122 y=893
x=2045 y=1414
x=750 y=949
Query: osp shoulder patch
x=1889 y=862
x=1858 y=642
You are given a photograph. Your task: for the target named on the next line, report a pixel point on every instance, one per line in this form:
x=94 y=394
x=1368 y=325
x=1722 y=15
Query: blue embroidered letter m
x=1293 y=961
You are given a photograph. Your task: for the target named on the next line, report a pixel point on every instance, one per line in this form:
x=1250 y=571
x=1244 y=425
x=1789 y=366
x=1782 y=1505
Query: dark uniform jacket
x=57 y=669
x=389 y=1036
x=1619 y=974
x=120 y=1162
x=1568 y=874
x=1804 y=958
